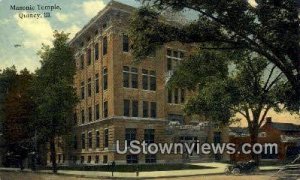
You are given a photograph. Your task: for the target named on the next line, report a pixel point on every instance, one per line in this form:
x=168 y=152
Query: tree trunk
x=53 y=155
x=254 y=140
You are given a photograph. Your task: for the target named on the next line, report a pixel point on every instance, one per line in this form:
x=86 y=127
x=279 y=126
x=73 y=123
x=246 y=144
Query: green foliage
x=271 y=29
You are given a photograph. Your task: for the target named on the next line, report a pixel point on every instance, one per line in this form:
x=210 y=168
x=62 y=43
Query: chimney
x=269 y=120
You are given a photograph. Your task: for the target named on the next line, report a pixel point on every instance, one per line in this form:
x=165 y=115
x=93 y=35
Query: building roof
x=285 y=126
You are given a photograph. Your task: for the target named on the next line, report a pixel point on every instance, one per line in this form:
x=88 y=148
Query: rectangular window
x=134 y=78
x=126 y=108
x=105 y=159
x=135 y=108
x=82 y=90
x=153 y=109
x=81 y=159
x=89 y=87
x=105 y=45
x=90 y=140
x=96 y=51
x=105 y=80
x=97 y=83
x=145 y=109
x=145 y=79
x=81 y=62
x=96 y=159
x=182 y=95
x=82 y=117
x=176 y=94
x=149 y=136
x=97 y=112
x=170 y=94
x=152 y=81
x=90 y=114
x=169 y=64
x=150 y=158
x=89 y=56
x=105 y=109
x=97 y=139
x=125 y=43
x=130 y=135
x=82 y=141
x=132 y=159
x=89 y=159
x=126 y=76
x=106 y=138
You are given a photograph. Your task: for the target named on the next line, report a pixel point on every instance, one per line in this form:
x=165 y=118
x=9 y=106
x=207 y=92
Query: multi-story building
x=119 y=98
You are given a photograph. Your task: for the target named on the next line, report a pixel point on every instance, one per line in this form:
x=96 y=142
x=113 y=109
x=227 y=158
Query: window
x=149 y=136
x=173 y=58
x=149 y=80
x=97 y=112
x=130 y=135
x=81 y=62
x=125 y=43
x=153 y=109
x=135 y=108
x=105 y=113
x=96 y=159
x=126 y=76
x=134 y=77
x=82 y=141
x=89 y=87
x=132 y=159
x=126 y=107
x=130 y=77
x=176 y=96
x=105 y=82
x=96 y=51
x=150 y=158
x=97 y=83
x=89 y=159
x=75 y=142
x=169 y=64
x=90 y=114
x=182 y=95
x=105 y=138
x=82 y=90
x=97 y=139
x=145 y=109
x=105 y=45
x=170 y=96
x=105 y=159
x=81 y=159
x=89 y=56
x=173 y=96
x=82 y=117
x=90 y=140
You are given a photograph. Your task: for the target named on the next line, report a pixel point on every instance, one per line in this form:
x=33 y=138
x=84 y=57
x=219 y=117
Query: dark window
x=176 y=96
x=126 y=107
x=150 y=158
x=169 y=65
x=97 y=112
x=90 y=114
x=135 y=108
x=130 y=135
x=96 y=51
x=89 y=87
x=82 y=90
x=105 y=159
x=105 y=45
x=175 y=53
x=169 y=52
x=152 y=81
x=132 y=159
x=125 y=43
x=145 y=109
x=125 y=76
x=81 y=62
x=82 y=141
x=90 y=141
x=153 y=109
x=89 y=159
x=182 y=95
x=134 y=77
x=170 y=96
x=97 y=139
x=105 y=138
x=181 y=55
x=89 y=56
x=145 y=79
x=149 y=136
x=97 y=83
x=105 y=80
x=82 y=117
x=75 y=142
x=96 y=159
x=81 y=159
x=105 y=108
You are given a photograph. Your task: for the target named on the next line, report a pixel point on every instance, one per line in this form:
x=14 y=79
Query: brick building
x=120 y=99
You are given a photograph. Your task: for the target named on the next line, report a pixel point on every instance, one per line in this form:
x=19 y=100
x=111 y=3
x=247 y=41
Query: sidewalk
x=219 y=169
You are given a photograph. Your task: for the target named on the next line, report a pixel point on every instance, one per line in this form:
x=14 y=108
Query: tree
x=54 y=92
x=271 y=29
x=224 y=87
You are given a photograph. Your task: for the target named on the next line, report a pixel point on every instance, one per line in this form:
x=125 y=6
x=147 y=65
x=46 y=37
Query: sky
x=30 y=33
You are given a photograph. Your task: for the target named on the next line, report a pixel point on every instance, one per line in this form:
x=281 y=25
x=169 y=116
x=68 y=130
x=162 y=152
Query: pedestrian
x=113 y=168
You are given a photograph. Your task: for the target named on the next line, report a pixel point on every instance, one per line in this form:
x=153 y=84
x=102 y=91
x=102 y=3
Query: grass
x=133 y=168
